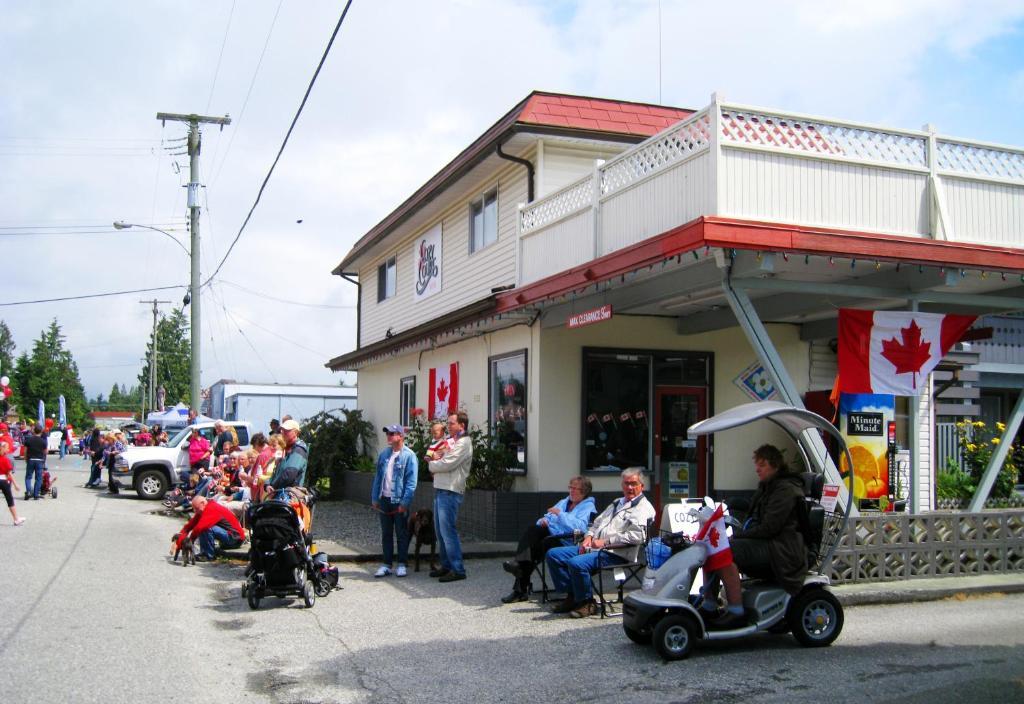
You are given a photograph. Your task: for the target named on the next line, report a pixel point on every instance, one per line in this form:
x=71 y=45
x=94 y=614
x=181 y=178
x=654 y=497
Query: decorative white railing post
x=938 y=223
x=595 y=205
x=715 y=155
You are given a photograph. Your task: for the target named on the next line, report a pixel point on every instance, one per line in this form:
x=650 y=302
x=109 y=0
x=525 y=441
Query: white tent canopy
x=175 y=417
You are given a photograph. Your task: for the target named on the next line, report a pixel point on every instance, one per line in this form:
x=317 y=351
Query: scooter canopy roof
x=790 y=418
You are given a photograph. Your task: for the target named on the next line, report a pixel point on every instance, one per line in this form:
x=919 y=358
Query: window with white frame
x=387 y=279
x=408 y=400
x=483 y=220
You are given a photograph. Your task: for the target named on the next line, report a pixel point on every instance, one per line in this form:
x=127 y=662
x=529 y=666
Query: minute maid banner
x=863 y=421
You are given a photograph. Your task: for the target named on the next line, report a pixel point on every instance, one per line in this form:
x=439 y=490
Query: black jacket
x=774 y=510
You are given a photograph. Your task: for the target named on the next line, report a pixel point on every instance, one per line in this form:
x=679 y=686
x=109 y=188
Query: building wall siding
x=983 y=212
x=774 y=187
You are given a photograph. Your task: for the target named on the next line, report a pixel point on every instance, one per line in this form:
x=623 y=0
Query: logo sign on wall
x=754 y=380
x=427 y=257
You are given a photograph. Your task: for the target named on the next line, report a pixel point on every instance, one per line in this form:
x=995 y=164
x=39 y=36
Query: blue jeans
x=95 y=472
x=446 y=512
x=63 y=450
x=34 y=467
x=391 y=524
x=206 y=541
x=570 y=571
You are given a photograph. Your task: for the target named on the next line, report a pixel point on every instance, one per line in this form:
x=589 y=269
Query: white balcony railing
x=739 y=161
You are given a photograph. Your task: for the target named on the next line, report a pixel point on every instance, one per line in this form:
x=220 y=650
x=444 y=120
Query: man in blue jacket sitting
x=392 y=492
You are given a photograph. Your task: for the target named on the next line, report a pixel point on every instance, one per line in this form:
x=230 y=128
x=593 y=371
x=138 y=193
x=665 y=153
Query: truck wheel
x=674 y=636
x=151 y=484
x=816 y=618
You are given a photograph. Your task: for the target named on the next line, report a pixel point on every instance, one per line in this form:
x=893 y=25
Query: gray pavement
x=94 y=610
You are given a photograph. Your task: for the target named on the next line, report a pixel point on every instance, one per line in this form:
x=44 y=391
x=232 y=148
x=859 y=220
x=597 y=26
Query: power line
x=216 y=71
x=91 y=295
x=252 y=82
x=282 y=337
x=284 y=143
x=284 y=300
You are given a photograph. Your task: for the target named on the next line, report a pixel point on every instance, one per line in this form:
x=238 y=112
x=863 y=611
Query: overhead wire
x=91 y=295
x=220 y=57
x=284 y=300
x=251 y=346
x=284 y=143
x=321 y=355
x=241 y=114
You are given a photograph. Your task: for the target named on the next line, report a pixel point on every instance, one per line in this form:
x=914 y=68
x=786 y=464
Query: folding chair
x=630 y=571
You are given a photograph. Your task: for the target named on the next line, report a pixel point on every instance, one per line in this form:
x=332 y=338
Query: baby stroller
x=280 y=562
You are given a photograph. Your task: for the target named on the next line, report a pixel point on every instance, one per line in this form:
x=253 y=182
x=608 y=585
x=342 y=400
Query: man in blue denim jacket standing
x=392 y=492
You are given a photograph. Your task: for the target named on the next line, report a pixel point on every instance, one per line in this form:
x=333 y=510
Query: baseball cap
x=396 y=428
x=290 y=425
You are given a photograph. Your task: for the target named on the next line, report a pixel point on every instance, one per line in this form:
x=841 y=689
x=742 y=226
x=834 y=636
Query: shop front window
x=508 y=407
x=616 y=405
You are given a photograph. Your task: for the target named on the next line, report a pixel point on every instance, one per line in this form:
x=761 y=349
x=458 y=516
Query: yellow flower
x=995 y=441
x=1001 y=427
x=971 y=447
x=979 y=424
x=960 y=424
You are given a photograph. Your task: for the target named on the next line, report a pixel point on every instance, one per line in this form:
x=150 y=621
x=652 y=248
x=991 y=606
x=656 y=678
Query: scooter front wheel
x=674 y=636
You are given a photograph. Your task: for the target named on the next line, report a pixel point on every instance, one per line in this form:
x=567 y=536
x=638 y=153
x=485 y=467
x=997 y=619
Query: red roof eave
x=732 y=233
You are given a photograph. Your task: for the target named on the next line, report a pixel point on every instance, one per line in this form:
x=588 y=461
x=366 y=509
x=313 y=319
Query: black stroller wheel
x=309 y=595
x=321 y=587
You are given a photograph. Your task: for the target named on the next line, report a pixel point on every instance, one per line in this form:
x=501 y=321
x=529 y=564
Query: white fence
x=751 y=163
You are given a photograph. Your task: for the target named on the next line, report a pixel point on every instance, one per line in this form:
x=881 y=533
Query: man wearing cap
x=450 y=474
x=391 y=495
x=291 y=470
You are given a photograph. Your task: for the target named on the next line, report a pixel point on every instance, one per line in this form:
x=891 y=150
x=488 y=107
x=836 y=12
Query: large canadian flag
x=883 y=352
x=444 y=391
x=712 y=533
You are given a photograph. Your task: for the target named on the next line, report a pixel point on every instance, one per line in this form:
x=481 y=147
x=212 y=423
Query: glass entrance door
x=680 y=464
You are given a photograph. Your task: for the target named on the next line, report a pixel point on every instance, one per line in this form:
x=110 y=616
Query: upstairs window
x=387 y=279
x=483 y=221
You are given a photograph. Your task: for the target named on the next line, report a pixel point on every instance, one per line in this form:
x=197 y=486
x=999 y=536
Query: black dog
x=421 y=527
x=188 y=555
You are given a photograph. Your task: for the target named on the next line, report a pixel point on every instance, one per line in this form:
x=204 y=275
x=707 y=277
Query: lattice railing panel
x=984 y=161
x=815 y=137
x=880 y=548
x=671 y=146
x=574 y=197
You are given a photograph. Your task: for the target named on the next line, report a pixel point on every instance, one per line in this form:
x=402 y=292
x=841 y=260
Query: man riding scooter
x=769 y=546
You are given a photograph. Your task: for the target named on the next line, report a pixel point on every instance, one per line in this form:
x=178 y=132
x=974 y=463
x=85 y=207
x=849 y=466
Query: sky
x=407 y=85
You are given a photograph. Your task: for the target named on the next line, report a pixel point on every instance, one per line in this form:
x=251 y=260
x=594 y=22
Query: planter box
x=489 y=515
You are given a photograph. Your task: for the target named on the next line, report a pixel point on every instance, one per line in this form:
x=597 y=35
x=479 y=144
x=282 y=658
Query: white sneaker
x=19 y=521
x=401 y=572
x=382 y=571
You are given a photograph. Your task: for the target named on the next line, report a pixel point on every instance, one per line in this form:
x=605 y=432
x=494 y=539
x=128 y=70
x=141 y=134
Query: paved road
x=94 y=612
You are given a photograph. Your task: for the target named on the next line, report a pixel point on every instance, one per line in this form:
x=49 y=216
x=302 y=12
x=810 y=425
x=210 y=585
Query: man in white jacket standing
x=450 y=473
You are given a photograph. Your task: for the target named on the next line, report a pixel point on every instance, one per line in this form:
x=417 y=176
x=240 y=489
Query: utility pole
x=194 y=143
x=151 y=394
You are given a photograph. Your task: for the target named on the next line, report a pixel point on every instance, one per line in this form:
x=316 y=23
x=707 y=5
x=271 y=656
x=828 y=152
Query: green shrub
x=977 y=443
x=336 y=445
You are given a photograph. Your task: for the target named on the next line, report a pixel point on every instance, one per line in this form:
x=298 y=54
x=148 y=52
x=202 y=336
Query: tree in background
x=47 y=373
x=6 y=350
x=173 y=359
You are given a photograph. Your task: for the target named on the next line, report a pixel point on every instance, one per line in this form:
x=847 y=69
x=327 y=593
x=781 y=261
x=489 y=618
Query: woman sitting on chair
x=573 y=513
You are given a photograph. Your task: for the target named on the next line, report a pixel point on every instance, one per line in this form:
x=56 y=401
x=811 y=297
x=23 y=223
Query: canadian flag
x=444 y=391
x=712 y=533
x=883 y=352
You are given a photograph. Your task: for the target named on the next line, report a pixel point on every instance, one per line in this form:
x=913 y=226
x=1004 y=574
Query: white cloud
x=407 y=86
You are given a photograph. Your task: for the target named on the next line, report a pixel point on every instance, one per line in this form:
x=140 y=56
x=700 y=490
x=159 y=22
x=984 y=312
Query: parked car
x=153 y=471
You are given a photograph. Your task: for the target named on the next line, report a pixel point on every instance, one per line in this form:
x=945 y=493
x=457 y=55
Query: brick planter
x=485 y=514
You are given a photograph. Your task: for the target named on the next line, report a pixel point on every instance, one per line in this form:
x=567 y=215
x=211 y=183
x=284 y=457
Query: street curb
x=909 y=596
x=359 y=558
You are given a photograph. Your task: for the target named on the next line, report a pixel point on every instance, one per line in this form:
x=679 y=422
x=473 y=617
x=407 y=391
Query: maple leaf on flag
x=909 y=355
x=442 y=391
x=713 y=537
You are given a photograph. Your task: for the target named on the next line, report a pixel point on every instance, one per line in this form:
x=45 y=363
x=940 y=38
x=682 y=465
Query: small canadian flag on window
x=444 y=391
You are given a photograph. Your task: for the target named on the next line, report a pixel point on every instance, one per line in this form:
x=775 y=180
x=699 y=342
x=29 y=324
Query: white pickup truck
x=152 y=471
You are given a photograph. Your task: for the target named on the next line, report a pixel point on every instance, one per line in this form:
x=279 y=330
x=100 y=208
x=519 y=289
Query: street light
x=191 y=299
x=122 y=225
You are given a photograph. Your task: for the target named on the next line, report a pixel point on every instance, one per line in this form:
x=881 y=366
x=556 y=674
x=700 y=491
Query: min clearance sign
x=589 y=317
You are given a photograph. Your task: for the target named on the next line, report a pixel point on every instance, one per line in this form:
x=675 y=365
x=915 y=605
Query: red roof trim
x=731 y=233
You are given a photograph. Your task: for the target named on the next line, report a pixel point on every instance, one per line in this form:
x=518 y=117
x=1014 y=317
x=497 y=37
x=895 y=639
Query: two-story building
x=596 y=275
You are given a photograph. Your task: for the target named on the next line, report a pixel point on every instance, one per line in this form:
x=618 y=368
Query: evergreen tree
x=49 y=372
x=6 y=350
x=173 y=359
